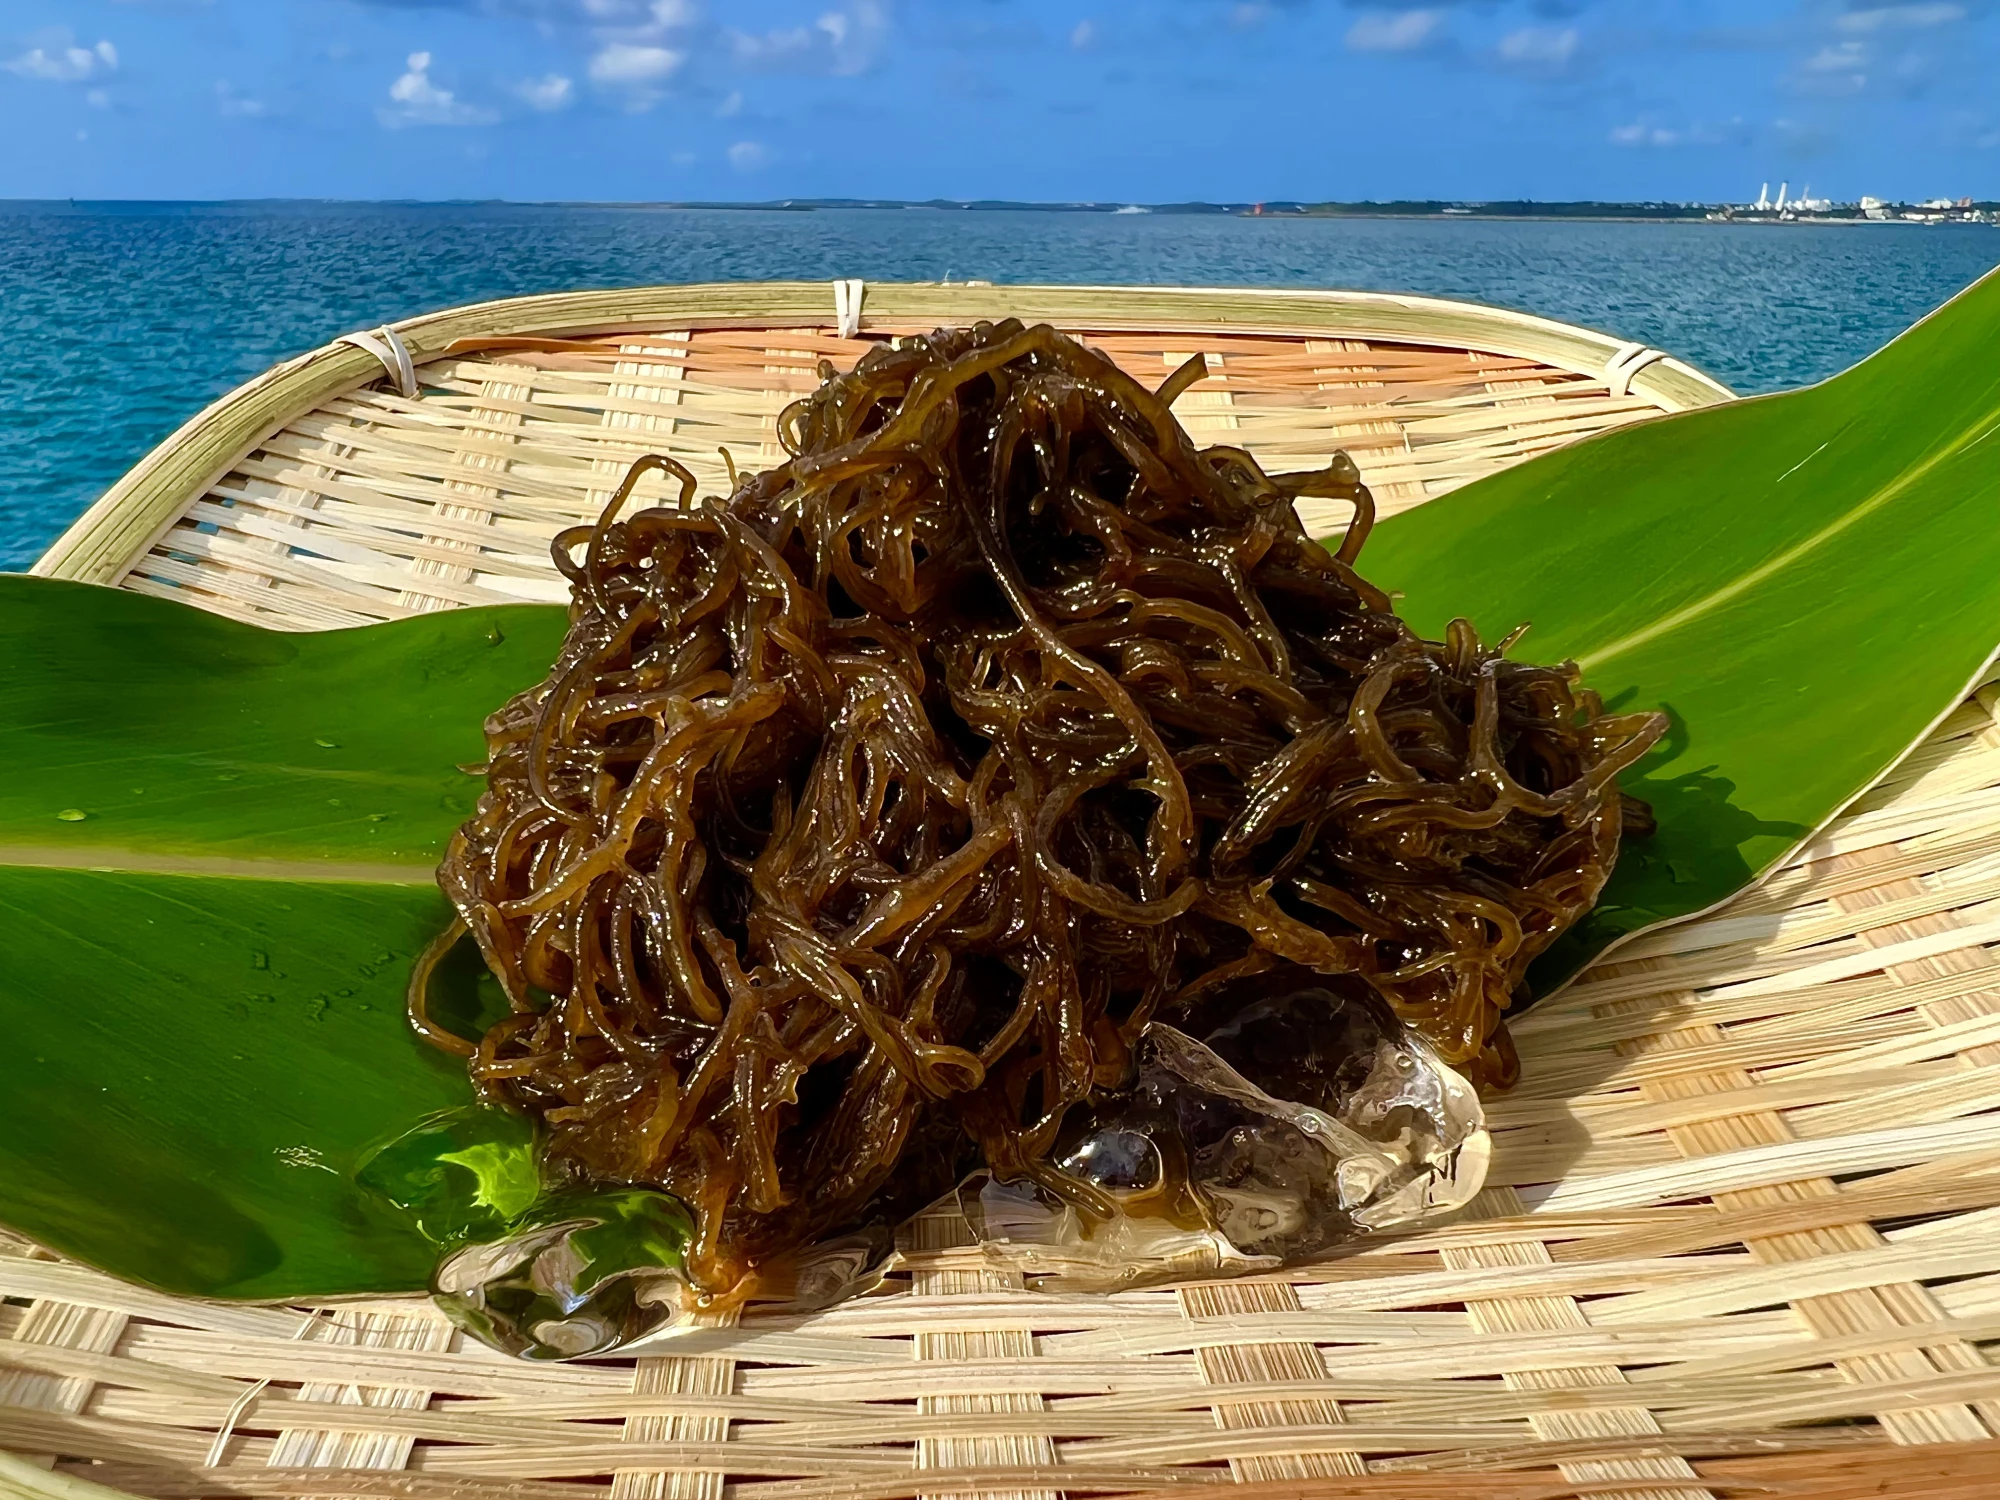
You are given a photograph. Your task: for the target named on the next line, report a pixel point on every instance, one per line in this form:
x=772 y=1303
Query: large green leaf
x=217 y=847
x=202 y=981
x=1805 y=582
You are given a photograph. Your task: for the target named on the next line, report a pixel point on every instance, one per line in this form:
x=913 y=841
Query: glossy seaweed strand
x=870 y=814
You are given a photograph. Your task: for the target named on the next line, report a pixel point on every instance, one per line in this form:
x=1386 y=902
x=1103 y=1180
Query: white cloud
x=1835 y=70
x=625 y=13
x=840 y=42
x=634 y=63
x=1881 y=48
x=1247 y=14
x=415 y=99
x=64 y=62
x=1641 y=133
x=233 y=106
x=1838 y=58
x=730 y=107
x=1539 y=46
x=97 y=99
x=1882 y=17
x=1393 y=31
x=545 y=94
x=776 y=48
x=634 y=20
x=1084 y=34
x=747 y=156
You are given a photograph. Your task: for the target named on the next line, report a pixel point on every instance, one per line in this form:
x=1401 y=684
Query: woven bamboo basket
x=1742 y=1234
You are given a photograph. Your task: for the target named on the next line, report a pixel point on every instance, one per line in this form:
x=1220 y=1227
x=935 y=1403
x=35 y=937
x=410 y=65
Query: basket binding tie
x=389 y=348
x=1628 y=361
x=847 y=297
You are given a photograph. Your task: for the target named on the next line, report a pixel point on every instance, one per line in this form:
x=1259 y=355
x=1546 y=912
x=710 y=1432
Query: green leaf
x=1806 y=583
x=202 y=990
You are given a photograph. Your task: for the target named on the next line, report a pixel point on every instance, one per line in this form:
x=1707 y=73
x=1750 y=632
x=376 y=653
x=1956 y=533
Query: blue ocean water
x=123 y=320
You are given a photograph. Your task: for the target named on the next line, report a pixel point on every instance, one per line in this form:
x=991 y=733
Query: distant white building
x=1937 y=203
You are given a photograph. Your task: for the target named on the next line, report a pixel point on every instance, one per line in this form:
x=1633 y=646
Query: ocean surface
x=120 y=321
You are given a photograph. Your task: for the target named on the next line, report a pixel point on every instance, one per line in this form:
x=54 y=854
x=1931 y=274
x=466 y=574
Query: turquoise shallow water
x=123 y=320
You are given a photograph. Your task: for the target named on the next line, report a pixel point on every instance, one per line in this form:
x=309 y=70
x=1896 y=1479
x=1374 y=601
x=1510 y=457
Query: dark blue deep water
x=119 y=321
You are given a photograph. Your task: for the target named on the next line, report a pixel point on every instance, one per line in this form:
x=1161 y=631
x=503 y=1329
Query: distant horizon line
x=1642 y=209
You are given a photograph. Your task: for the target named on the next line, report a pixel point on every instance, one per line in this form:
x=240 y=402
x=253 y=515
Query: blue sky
x=1150 y=100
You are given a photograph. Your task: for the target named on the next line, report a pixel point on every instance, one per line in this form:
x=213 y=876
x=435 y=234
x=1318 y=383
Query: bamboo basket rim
x=102 y=543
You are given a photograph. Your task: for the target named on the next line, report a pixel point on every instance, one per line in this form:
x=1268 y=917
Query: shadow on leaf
x=1705 y=849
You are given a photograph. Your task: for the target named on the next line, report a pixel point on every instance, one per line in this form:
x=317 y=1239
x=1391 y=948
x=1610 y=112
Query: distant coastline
x=1817 y=211
x=1867 y=211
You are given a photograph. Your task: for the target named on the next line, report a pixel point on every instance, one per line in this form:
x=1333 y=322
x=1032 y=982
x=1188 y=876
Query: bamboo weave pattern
x=1742 y=1233
x=374 y=506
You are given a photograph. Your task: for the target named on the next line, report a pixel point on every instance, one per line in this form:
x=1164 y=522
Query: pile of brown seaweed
x=870 y=814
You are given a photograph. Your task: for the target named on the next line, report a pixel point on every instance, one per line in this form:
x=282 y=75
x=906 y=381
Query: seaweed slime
x=869 y=816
